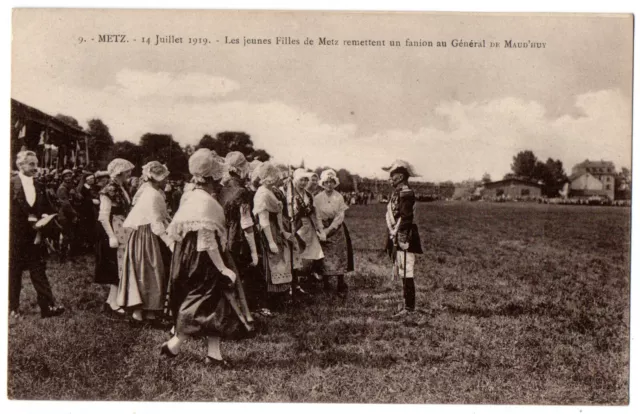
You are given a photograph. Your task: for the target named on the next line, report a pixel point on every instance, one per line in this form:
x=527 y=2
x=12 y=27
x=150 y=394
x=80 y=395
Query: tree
x=554 y=177
x=100 y=143
x=260 y=155
x=163 y=148
x=208 y=142
x=486 y=178
x=550 y=173
x=129 y=151
x=524 y=164
x=69 y=120
x=225 y=142
x=346 y=180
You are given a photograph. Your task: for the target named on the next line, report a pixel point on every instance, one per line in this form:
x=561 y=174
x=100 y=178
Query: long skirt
x=338 y=252
x=109 y=261
x=201 y=301
x=310 y=246
x=144 y=279
x=276 y=267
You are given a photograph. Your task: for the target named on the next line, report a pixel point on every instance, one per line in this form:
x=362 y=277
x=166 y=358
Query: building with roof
x=513 y=188
x=56 y=143
x=592 y=179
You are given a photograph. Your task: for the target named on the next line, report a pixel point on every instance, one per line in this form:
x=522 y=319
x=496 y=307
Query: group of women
x=243 y=235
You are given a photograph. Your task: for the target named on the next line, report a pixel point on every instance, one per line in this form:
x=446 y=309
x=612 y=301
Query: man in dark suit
x=26 y=249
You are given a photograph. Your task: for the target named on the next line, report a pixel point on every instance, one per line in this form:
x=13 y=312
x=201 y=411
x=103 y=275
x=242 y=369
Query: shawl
x=198 y=211
x=149 y=207
x=265 y=200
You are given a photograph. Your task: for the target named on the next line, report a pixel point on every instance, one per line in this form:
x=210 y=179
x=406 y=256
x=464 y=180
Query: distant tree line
x=162 y=147
x=103 y=148
x=550 y=174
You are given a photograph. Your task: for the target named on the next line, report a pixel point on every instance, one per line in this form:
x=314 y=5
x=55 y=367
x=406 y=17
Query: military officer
x=403 y=241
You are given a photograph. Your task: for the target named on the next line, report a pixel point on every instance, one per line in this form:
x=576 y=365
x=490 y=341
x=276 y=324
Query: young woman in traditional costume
x=313 y=186
x=115 y=204
x=143 y=283
x=337 y=249
x=237 y=200
x=203 y=297
x=308 y=228
x=273 y=239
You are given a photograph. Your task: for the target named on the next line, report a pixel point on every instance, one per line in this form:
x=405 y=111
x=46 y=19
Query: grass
x=523 y=304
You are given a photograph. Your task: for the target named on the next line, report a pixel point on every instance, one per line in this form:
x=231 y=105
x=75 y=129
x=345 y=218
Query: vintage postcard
x=320 y=207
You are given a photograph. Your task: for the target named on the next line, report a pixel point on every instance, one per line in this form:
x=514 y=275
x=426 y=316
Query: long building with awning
x=57 y=144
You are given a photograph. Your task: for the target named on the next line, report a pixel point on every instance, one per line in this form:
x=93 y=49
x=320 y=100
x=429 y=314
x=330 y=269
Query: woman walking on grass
x=337 y=249
x=203 y=298
x=113 y=236
x=147 y=255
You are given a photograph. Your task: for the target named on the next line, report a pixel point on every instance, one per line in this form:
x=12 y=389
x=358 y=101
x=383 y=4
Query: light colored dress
x=338 y=252
x=144 y=277
x=275 y=266
x=306 y=223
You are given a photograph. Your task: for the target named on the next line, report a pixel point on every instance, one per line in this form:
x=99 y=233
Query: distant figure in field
x=403 y=241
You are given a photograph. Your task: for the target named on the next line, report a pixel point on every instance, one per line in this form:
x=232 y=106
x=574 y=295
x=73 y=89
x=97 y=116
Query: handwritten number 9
x=81 y=39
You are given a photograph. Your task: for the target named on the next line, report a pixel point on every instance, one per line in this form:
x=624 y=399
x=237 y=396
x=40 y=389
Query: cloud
x=472 y=139
x=138 y=84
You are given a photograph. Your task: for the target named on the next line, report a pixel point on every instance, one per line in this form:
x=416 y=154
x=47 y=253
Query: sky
x=455 y=113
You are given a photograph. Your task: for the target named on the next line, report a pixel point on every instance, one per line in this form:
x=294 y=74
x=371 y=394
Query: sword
x=394 y=251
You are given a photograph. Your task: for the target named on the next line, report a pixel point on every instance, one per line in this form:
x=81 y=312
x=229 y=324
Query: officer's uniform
x=403 y=238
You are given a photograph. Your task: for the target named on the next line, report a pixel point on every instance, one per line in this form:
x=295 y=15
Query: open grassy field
x=523 y=304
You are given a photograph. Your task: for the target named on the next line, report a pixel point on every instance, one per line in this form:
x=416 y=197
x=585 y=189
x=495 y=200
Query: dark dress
x=106 y=269
x=235 y=198
x=201 y=300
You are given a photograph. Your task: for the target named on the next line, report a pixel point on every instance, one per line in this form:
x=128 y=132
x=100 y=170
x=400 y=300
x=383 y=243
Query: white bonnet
x=118 y=166
x=267 y=173
x=301 y=173
x=154 y=170
x=235 y=162
x=205 y=163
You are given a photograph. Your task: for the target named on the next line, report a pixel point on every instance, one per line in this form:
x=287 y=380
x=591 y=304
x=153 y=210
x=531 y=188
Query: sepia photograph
x=295 y=206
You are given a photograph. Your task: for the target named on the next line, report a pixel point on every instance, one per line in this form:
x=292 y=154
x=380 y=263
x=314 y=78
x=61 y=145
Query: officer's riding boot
x=409 y=288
